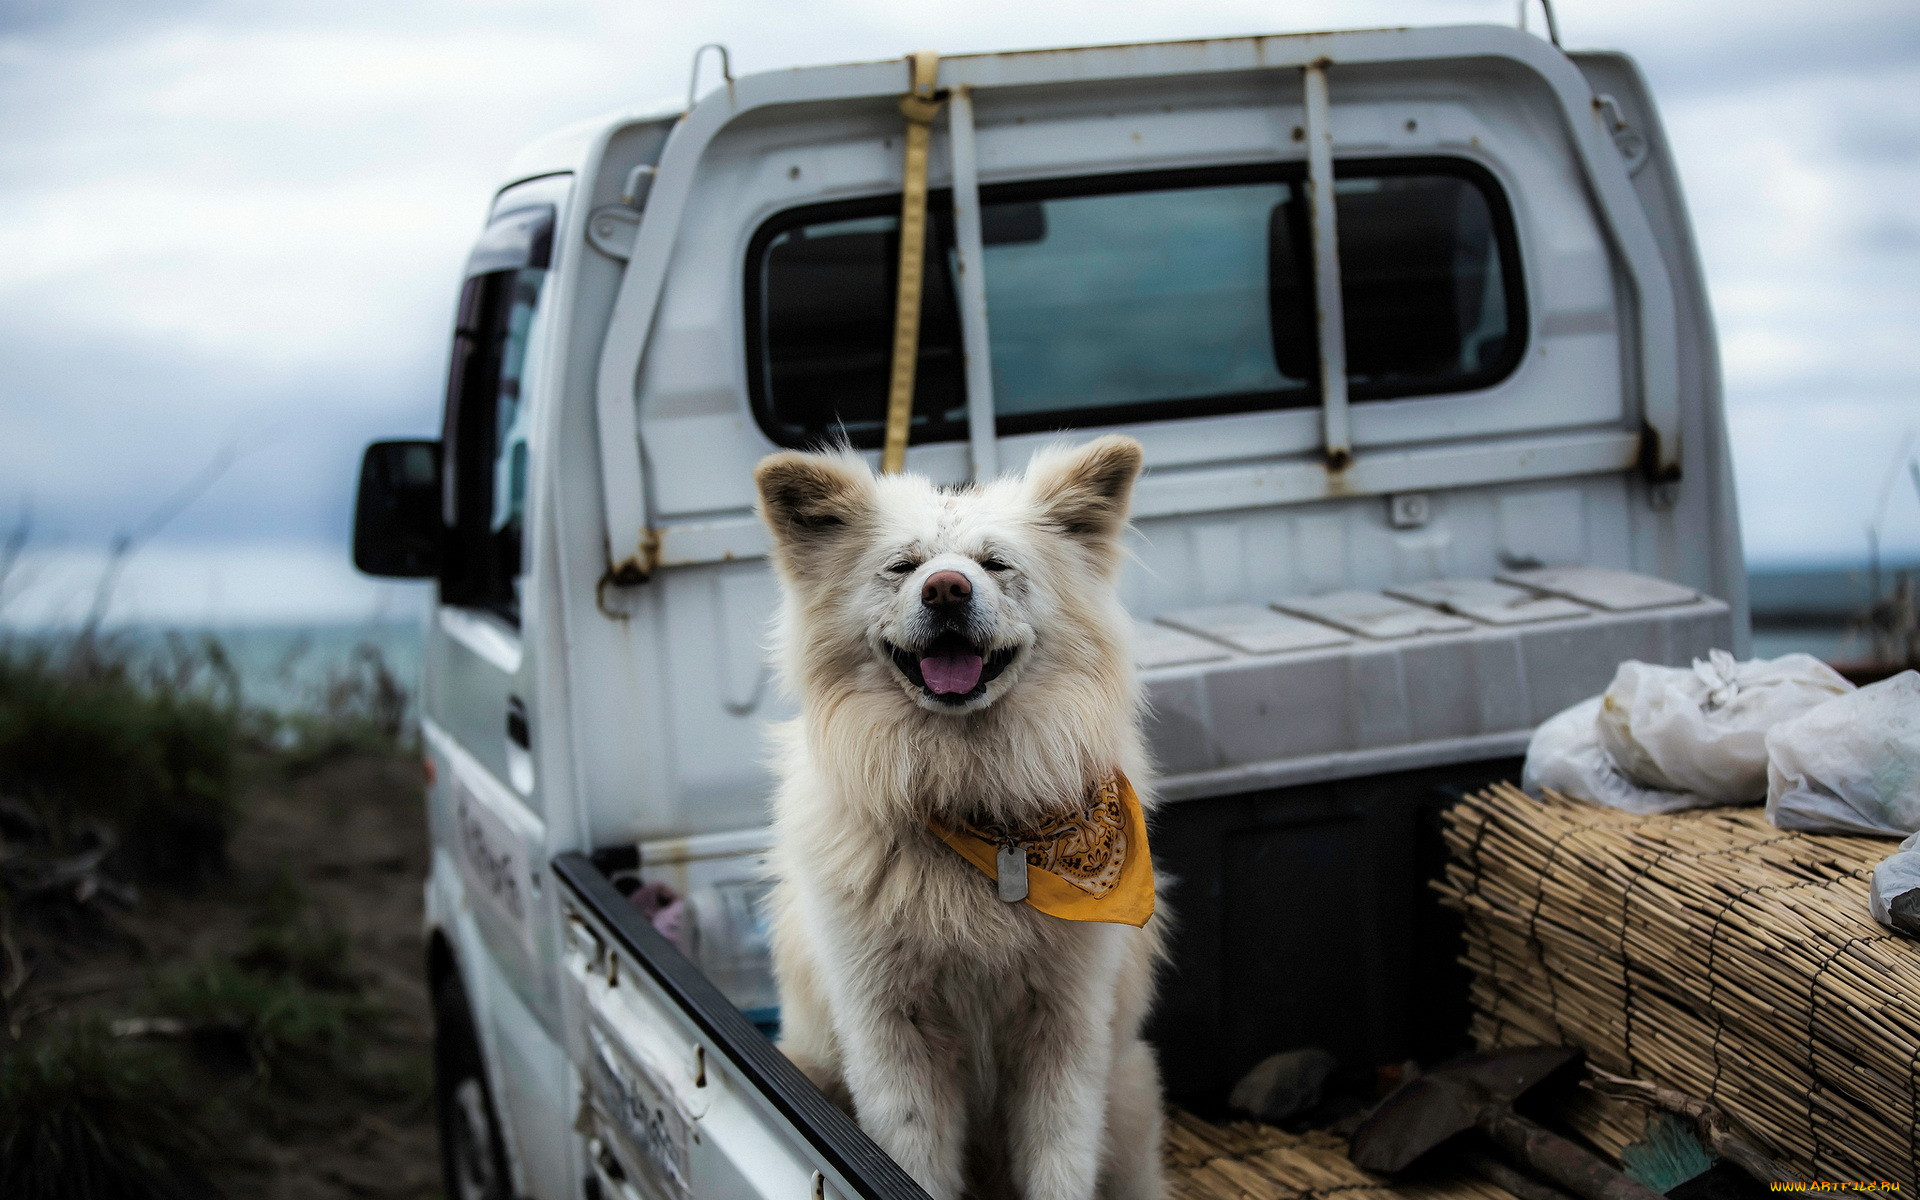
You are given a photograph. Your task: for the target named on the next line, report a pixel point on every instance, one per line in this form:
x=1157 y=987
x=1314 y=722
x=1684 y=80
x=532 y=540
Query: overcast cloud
x=228 y=224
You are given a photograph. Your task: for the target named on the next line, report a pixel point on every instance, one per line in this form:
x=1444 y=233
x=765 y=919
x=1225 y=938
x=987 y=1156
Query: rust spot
x=1650 y=458
x=1338 y=461
x=1299 y=133
x=608 y=580
x=629 y=572
x=1259 y=43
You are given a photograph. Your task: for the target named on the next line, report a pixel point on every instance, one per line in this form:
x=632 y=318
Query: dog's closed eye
x=905 y=566
x=994 y=564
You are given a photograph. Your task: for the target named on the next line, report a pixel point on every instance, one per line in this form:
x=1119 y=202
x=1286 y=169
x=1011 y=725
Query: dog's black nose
x=946 y=589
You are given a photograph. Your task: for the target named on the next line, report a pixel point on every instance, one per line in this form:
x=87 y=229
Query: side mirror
x=397 y=527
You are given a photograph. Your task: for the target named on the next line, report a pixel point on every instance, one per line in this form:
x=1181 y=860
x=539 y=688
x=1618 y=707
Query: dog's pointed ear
x=1085 y=492
x=812 y=498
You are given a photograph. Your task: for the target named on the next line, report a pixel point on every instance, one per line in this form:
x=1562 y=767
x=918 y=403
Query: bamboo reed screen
x=1707 y=951
x=1248 y=1161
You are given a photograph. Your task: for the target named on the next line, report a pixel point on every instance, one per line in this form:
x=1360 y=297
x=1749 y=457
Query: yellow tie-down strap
x=919 y=106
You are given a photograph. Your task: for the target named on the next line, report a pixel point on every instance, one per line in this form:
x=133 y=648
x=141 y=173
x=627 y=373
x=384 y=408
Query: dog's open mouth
x=951 y=669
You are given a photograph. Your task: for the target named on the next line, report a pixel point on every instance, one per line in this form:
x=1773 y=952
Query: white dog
x=969 y=726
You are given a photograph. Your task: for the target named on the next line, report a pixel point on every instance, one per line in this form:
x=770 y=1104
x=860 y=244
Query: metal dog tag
x=1010 y=870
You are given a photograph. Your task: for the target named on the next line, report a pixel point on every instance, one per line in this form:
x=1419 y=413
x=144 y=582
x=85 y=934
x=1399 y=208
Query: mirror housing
x=397 y=525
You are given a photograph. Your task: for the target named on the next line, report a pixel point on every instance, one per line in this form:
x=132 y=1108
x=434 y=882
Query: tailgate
x=683 y=1096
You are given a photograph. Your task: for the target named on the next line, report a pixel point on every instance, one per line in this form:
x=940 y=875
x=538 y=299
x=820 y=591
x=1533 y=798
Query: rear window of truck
x=1116 y=299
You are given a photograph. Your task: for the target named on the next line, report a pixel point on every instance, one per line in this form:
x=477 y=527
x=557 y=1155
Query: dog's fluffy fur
x=990 y=1049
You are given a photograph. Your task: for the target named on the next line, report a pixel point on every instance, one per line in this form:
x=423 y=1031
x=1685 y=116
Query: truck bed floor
x=1250 y=1161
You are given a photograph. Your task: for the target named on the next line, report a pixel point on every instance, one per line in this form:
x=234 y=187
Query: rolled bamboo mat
x=1248 y=1161
x=1704 y=950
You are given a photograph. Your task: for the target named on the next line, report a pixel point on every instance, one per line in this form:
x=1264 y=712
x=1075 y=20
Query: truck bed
x=1205 y=1161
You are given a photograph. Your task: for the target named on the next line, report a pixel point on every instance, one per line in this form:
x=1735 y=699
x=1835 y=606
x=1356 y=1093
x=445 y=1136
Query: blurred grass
x=285 y=944
x=121 y=766
x=92 y=739
x=271 y=1024
x=86 y=1116
x=96 y=735
x=360 y=708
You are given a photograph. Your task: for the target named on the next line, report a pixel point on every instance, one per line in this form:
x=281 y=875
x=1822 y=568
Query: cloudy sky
x=235 y=229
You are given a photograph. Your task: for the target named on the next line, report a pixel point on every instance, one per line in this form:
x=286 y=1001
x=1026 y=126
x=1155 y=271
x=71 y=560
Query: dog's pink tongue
x=951 y=674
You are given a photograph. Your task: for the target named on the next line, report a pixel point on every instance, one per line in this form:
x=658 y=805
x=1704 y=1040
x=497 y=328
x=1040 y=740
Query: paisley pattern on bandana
x=1086 y=849
x=1091 y=865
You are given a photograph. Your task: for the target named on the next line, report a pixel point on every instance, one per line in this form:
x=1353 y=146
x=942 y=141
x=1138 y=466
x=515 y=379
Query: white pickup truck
x=1412 y=328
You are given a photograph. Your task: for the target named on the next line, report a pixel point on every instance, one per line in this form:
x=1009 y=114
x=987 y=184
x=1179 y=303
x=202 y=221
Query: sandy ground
x=354 y=837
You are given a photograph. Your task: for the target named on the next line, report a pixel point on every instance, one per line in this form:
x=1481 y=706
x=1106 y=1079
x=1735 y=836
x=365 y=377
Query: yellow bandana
x=1093 y=865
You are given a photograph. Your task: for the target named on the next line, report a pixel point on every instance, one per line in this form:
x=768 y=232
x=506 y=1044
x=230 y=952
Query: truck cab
x=1411 y=327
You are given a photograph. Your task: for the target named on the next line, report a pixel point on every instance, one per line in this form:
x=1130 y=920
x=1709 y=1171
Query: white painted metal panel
x=1489 y=95
x=1615 y=591
x=1254 y=630
x=1369 y=706
x=1372 y=615
x=1160 y=646
x=1487 y=602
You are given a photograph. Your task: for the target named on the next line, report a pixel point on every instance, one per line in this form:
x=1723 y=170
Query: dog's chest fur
x=910 y=901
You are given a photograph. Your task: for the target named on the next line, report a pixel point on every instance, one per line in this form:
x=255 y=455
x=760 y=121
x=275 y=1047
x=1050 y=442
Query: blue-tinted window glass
x=1135 y=297
x=1138 y=298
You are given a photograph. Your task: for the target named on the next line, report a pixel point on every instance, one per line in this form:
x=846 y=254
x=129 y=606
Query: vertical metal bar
x=1553 y=25
x=1330 y=318
x=970 y=252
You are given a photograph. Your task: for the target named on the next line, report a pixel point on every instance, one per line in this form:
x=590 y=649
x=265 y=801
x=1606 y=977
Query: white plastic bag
x=1851 y=765
x=1566 y=755
x=1888 y=897
x=1703 y=729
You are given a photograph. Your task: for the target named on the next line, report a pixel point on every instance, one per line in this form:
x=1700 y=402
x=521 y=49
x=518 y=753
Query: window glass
x=1423 y=284
x=488 y=427
x=510 y=423
x=1139 y=298
x=824 y=323
x=1126 y=299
